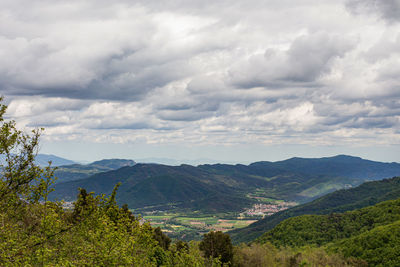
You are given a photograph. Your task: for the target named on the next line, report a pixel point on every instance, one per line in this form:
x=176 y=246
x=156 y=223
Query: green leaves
x=217 y=245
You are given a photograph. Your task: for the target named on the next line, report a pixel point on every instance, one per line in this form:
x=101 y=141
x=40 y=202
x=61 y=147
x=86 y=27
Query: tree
x=162 y=239
x=38 y=232
x=18 y=169
x=217 y=244
x=27 y=219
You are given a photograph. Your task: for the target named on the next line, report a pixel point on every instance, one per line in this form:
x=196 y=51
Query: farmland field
x=188 y=227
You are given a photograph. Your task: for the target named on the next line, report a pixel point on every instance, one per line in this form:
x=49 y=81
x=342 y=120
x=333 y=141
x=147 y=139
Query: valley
x=244 y=200
x=193 y=225
x=221 y=187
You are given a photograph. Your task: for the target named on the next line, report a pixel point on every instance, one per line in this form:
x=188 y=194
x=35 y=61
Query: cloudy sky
x=227 y=80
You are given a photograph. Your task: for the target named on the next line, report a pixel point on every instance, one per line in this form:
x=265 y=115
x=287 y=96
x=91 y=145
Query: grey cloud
x=187 y=115
x=310 y=56
x=124 y=79
x=388 y=10
x=122 y=125
x=303 y=63
x=175 y=106
x=123 y=60
x=383 y=49
x=371 y=123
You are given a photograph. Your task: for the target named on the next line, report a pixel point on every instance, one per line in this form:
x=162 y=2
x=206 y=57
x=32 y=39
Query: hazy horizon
x=198 y=161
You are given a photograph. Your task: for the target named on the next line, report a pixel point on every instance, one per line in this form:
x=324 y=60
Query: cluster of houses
x=267 y=209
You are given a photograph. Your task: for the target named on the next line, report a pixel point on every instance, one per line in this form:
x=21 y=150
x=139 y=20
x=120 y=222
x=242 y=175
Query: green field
x=193 y=227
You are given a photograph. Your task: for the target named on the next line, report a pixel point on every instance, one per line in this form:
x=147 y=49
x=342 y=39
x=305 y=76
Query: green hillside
x=364 y=195
x=339 y=166
x=379 y=246
x=370 y=233
x=162 y=187
x=322 y=229
x=73 y=172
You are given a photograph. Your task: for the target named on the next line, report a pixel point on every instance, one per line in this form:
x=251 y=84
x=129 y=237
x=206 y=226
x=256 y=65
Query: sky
x=228 y=81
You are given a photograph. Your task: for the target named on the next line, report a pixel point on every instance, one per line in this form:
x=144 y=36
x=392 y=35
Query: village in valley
x=193 y=226
x=262 y=209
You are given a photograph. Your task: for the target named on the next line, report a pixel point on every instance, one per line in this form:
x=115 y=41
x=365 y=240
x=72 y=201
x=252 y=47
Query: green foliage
x=163 y=240
x=182 y=246
x=217 y=245
x=371 y=234
x=268 y=255
x=17 y=167
x=37 y=232
x=322 y=229
x=379 y=246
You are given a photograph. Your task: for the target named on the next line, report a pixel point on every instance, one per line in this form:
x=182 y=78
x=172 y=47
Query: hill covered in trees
x=156 y=186
x=371 y=233
x=367 y=194
x=73 y=172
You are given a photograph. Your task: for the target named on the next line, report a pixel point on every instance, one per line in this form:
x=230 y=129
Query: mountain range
x=80 y=171
x=43 y=160
x=224 y=187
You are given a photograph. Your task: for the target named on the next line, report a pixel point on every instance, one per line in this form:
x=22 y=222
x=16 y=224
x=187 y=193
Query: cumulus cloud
x=225 y=72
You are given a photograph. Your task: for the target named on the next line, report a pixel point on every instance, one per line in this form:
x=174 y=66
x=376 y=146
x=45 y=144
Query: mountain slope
x=293 y=180
x=371 y=233
x=145 y=185
x=43 y=160
x=379 y=246
x=322 y=229
x=338 y=166
x=78 y=171
x=300 y=179
x=364 y=195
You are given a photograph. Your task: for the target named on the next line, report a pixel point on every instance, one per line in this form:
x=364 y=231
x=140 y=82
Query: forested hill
x=371 y=233
x=153 y=184
x=222 y=187
x=341 y=165
x=364 y=195
x=322 y=229
x=80 y=171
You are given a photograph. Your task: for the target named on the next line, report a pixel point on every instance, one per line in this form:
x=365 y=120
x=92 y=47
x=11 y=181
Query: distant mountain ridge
x=43 y=160
x=155 y=185
x=80 y=171
x=341 y=165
